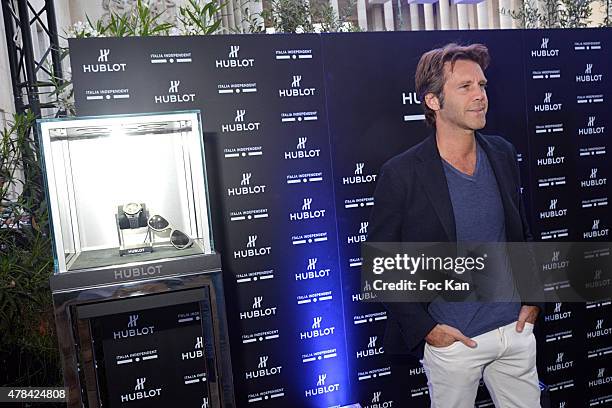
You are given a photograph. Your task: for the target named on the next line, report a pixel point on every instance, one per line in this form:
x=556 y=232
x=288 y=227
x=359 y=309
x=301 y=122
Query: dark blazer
x=412 y=204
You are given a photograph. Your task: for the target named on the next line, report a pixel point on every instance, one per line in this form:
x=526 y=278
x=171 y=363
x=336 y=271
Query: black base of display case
x=150 y=333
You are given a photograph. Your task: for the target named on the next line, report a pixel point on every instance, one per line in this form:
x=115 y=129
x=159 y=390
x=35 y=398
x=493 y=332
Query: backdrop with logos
x=296 y=128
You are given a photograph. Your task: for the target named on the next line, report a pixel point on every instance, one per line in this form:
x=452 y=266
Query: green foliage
x=200 y=20
x=28 y=348
x=298 y=16
x=553 y=14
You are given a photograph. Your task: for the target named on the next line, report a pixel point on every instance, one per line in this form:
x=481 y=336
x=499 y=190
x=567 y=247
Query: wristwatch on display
x=132 y=212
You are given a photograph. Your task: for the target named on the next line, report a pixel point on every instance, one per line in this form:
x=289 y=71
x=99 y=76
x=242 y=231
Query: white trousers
x=504 y=358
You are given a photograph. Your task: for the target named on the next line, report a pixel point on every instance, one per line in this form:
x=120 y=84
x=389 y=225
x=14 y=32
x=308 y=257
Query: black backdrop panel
x=296 y=128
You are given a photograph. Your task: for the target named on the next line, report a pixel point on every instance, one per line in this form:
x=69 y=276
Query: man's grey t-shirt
x=479 y=217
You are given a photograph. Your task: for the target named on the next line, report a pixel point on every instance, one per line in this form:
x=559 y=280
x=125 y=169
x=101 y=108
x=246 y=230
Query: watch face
x=132 y=208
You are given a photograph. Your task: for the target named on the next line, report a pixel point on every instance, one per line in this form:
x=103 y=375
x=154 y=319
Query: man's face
x=465 y=97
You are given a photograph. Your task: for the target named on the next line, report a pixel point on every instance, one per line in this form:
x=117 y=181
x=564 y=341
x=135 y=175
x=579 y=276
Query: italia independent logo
x=234 y=61
x=296 y=89
x=243 y=151
x=244 y=215
x=319 y=355
x=370 y=318
x=140 y=392
x=301 y=151
x=239 y=124
x=553 y=181
x=237 y=88
x=246 y=188
x=307 y=213
x=252 y=250
x=358 y=177
x=103 y=64
x=544 y=50
x=316 y=237
x=595 y=98
x=291 y=117
x=547 y=105
x=592 y=151
x=593 y=180
x=107 y=94
x=260 y=336
x=587 y=45
x=546 y=74
x=293 y=55
x=312 y=271
x=304 y=178
x=314 y=297
x=174 y=96
x=257 y=311
x=359 y=202
x=136 y=357
x=588 y=75
x=590 y=128
x=322 y=387
x=133 y=330
x=171 y=58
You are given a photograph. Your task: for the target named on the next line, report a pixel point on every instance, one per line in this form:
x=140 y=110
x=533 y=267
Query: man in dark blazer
x=460 y=185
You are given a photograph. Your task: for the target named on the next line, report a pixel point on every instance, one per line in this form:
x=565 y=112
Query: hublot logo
x=365 y=294
x=372 y=350
x=377 y=401
x=316 y=330
x=593 y=180
x=361 y=237
x=599 y=331
x=555 y=263
x=410 y=98
x=198 y=351
x=560 y=364
x=590 y=128
x=553 y=212
x=558 y=314
x=301 y=151
x=312 y=272
x=597 y=282
x=307 y=213
x=296 y=89
x=234 y=61
x=137 y=272
x=133 y=330
x=104 y=66
x=245 y=187
x=547 y=106
x=321 y=387
x=257 y=311
x=358 y=176
x=551 y=159
x=239 y=124
x=263 y=370
x=140 y=393
x=251 y=249
x=601 y=379
x=174 y=96
x=595 y=231
x=544 y=51
x=588 y=75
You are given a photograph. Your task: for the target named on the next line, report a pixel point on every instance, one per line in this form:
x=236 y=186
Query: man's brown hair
x=430 y=78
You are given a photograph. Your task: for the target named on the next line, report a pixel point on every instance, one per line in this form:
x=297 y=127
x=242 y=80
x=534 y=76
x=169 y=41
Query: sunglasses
x=178 y=239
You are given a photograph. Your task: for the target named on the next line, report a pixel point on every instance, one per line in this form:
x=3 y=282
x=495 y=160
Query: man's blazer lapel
x=432 y=177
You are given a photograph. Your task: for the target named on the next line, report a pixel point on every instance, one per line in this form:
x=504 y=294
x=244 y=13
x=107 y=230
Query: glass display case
x=125 y=188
